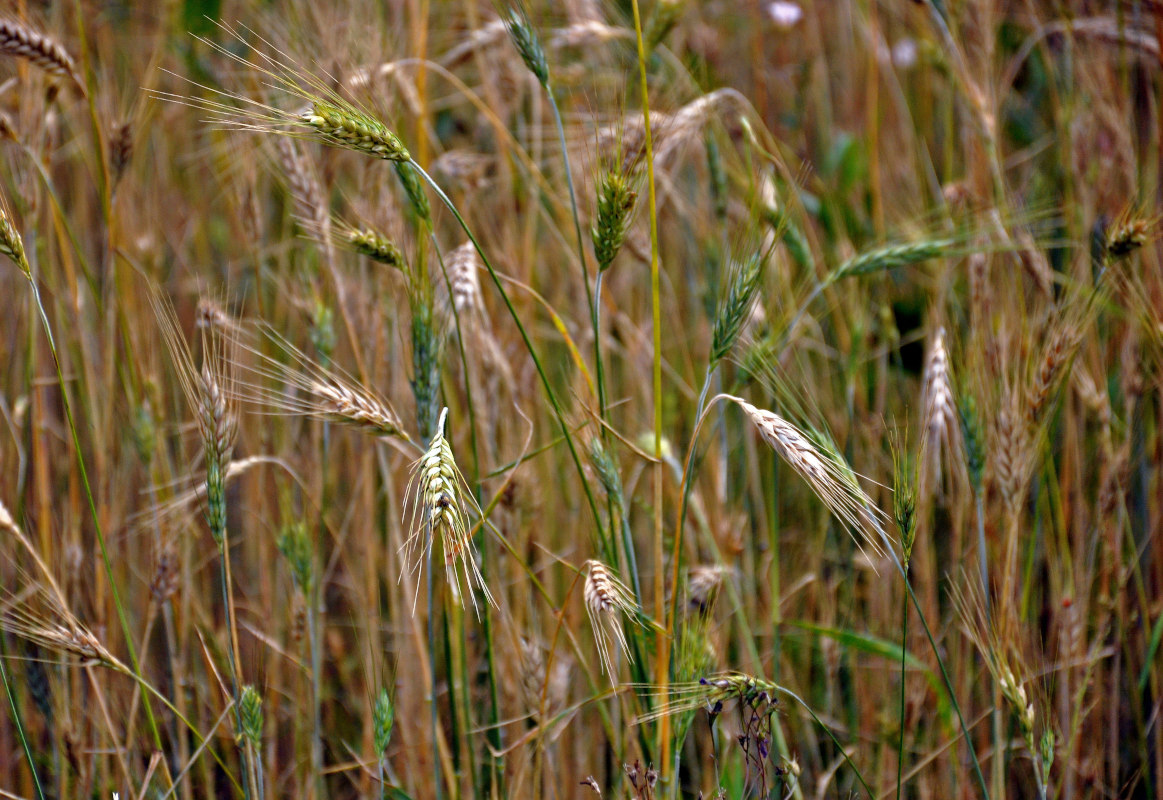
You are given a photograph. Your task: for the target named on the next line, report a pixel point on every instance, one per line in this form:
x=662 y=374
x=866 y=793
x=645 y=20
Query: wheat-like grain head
x=298 y=385
x=832 y=480
x=436 y=505
x=18 y=39
x=607 y=599
x=939 y=406
x=463 y=293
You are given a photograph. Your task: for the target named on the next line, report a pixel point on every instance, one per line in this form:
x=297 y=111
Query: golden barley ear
x=22 y=41
x=829 y=476
x=607 y=599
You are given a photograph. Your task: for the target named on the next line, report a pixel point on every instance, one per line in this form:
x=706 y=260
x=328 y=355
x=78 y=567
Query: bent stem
x=549 y=393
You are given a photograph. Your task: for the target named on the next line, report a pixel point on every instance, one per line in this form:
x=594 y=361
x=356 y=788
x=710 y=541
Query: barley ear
x=18 y=39
x=11 y=244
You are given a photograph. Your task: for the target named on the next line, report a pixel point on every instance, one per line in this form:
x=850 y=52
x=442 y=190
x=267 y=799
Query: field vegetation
x=597 y=398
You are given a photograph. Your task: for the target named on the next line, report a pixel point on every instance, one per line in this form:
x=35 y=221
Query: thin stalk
x=996 y=770
x=591 y=297
x=232 y=650
x=549 y=393
x=314 y=629
x=900 y=753
x=662 y=661
x=948 y=683
x=100 y=536
x=17 y=720
x=435 y=719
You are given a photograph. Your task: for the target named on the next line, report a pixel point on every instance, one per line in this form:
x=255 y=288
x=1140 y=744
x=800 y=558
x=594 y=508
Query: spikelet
x=1010 y=449
x=528 y=45
x=383 y=716
x=437 y=504
x=825 y=471
x=17 y=39
x=251 y=715
x=736 y=306
x=617 y=194
x=607 y=598
x=306 y=191
x=367 y=241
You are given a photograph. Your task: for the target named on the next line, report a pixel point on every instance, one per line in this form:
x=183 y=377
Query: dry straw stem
x=830 y=477
x=607 y=598
x=437 y=503
x=18 y=39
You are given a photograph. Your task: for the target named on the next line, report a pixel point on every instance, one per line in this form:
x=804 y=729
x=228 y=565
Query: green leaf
x=890 y=651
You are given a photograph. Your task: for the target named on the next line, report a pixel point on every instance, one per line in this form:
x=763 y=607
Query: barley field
x=581 y=399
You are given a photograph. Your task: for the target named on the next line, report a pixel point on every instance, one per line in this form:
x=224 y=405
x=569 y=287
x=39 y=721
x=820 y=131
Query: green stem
x=591 y=297
x=948 y=683
x=900 y=756
x=17 y=721
x=100 y=536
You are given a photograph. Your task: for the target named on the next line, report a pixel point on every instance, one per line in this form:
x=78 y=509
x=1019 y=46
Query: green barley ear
x=144 y=432
x=383 y=715
x=616 y=198
x=974 y=439
x=374 y=245
x=893 y=256
x=528 y=46
x=343 y=125
x=735 y=308
x=662 y=21
x=1048 y=742
x=904 y=500
x=606 y=468
x=437 y=504
x=11 y=244
x=295 y=546
x=718 y=177
x=251 y=703
x=414 y=189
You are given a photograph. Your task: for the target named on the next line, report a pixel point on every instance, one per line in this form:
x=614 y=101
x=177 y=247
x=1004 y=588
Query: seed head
x=607 y=598
x=439 y=498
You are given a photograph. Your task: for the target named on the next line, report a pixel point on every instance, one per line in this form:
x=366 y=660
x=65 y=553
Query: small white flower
x=784 y=14
x=904 y=53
